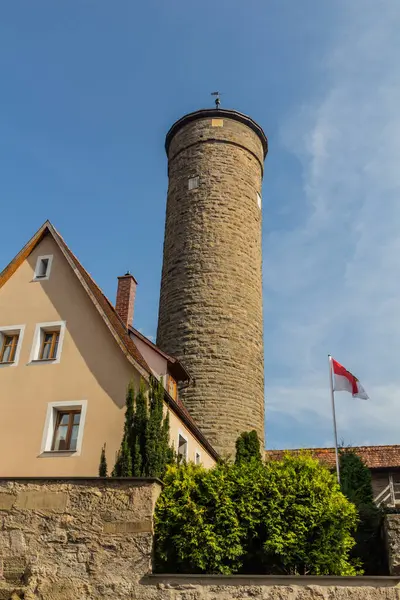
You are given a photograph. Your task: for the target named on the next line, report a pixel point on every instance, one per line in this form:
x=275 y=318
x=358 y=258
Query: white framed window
x=11 y=337
x=259 y=200
x=63 y=428
x=47 y=342
x=43 y=267
x=197 y=458
x=193 y=182
x=182 y=449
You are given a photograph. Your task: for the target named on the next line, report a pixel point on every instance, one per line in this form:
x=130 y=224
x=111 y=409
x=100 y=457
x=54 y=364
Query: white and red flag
x=344 y=381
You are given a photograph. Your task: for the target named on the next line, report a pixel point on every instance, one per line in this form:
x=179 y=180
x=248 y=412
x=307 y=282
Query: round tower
x=210 y=314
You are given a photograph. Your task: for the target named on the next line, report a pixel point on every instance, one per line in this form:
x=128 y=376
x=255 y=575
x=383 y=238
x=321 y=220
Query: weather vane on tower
x=217 y=99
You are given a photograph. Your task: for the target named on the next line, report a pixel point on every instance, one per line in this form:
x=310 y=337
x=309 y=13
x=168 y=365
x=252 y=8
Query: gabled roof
x=102 y=304
x=111 y=319
x=177 y=369
x=375 y=457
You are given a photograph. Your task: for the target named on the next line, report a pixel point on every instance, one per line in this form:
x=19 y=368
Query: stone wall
x=92 y=539
x=210 y=313
x=260 y=587
x=76 y=539
x=392 y=535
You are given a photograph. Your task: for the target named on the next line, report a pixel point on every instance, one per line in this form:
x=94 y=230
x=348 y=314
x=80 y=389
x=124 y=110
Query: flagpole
x=334 y=418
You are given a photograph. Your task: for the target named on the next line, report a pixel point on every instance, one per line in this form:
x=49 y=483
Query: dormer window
x=172 y=387
x=43 y=267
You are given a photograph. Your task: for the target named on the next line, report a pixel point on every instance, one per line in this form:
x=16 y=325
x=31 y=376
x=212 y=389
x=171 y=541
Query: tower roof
x=217 y=113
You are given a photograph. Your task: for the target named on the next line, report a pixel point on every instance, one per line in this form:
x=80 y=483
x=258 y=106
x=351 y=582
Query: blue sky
x=88 y=91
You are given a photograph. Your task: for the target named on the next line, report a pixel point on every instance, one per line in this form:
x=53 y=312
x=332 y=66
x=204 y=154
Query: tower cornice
x=217 y=113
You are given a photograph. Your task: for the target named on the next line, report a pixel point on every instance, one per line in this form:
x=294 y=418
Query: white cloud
x=332 y=281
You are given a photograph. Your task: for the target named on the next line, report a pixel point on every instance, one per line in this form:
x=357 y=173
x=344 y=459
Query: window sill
x=57 y=453
x=8 y=363
x=37 y=361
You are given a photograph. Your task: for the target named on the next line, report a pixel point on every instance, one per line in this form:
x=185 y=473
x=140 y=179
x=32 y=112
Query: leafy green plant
x=248 y=447
x=285 y=516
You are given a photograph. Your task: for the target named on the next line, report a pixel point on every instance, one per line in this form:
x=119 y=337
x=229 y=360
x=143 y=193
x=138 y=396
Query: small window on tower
x=193 y=182
x=259 y=201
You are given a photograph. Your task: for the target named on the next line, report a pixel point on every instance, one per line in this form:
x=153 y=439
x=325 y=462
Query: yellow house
x=66 y=358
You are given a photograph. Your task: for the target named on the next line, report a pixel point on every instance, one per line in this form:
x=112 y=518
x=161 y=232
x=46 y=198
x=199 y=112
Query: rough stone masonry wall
x=211 y=292
x=75 y=539
x=392 y=535
x=91 y=539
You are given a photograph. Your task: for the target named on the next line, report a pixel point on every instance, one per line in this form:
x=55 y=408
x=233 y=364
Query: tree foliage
x=103 y=470
x=144 y=450
x=286 y=517
x=248 y=447
x=356 y=485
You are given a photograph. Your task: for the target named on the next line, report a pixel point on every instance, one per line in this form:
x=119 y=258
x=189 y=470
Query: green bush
x=356 y=484
x=285 y=517
x=248 y=447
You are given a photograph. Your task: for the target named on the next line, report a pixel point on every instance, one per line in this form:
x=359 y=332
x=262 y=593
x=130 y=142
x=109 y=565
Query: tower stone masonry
x=210 y=314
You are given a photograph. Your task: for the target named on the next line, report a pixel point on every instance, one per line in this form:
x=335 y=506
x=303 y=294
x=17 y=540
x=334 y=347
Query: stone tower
x=210 y=313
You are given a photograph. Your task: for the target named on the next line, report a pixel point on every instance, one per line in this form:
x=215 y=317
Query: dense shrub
x=356 y=484
x=285 y=517
x=248 y=447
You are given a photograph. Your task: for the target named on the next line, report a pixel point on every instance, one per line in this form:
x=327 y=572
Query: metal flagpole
x=334 y=418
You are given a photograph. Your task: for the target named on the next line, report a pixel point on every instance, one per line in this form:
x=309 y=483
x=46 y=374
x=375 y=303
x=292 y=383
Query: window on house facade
x=48 y=341
x=193 y=182
x=66 y=430
x=182 y=448
x=9 y=348
x=43 y=267
x=10 y=344
x=63 y=427
x=197 y=458
x=49 y=345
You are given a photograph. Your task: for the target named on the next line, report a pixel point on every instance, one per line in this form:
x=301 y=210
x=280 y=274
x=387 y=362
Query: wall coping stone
x=271 y=580
x=130 y=480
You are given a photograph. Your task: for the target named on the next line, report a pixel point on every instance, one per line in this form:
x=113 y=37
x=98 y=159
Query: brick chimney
x=126 y=293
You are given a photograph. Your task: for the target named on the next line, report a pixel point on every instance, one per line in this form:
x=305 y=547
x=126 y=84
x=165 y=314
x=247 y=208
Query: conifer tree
x=123 y=465
x=125 y=459
x=136 y=459
x=138 y=449
x=356 y=484
x=130 y=415
x=248 y=447
x=103 y=463
x=145 y=449
x=154 y=442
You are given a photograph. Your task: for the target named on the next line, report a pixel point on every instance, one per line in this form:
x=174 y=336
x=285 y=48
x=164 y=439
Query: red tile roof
x=375 y=457
x=178 y=370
